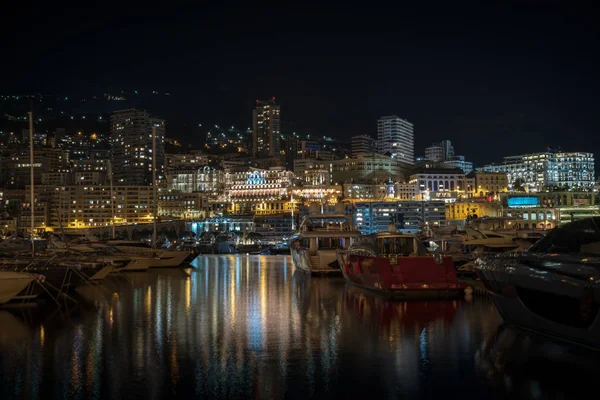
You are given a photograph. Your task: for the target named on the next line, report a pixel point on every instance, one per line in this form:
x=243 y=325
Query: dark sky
x=497 y=80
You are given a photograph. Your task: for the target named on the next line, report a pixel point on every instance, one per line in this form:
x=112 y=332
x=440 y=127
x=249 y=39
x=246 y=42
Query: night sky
x=500 y=80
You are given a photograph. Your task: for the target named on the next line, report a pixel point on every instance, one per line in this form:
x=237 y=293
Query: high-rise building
x=266 y=129
x=396 y=136
x=131 y=141
x=363 y=144
x=440 y=152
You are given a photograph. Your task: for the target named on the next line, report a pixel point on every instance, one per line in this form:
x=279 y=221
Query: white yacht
x=479 y=242
x=314 y=247
x=160 y=258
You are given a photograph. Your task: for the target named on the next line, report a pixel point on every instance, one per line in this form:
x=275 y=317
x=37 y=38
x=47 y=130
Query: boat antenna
x=31 y=187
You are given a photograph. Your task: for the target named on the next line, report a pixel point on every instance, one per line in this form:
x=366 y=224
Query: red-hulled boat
x=398 y=265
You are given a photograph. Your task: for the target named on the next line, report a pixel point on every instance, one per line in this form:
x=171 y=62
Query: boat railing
x=328 y=229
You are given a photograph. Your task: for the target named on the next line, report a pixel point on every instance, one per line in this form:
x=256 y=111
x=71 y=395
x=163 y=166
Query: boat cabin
x=322 y=235
x=388 y=244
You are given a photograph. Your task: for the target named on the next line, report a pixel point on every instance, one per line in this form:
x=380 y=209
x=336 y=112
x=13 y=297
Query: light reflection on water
x=239 y=327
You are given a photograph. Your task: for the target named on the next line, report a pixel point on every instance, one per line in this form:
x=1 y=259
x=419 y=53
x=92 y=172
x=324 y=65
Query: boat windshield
x=397 y=245
x=332 y=243
x=576 y=237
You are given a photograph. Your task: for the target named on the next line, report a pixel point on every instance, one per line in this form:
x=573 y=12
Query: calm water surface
x=250 y=327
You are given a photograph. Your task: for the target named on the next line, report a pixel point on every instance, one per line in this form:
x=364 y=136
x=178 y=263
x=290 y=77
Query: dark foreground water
x=250 y=327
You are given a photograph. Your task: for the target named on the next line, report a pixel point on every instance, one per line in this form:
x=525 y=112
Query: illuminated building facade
x=181 y=205
x=266 y=129
x=316 y=177
x=243 y=223
x=396 y=136
x=548 y=170
x=407 y=191
x=439 y=183
x=301 y=165
x=459 y=211
x=375 y=191
x=79 y=206
x=408 y=216
x=192 y=160
x=259 y=190
x=490 y=182
x=131 y=142
x=44 y=160
x=273 y=228
x=205 y=179
x=319 y=194
x=371 y=166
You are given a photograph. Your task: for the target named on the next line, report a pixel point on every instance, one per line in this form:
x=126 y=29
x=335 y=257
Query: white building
x=439 y=183
x=548 y=169
x=396 y=136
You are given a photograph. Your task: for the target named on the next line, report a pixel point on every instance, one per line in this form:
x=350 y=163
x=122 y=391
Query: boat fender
x=469 y=291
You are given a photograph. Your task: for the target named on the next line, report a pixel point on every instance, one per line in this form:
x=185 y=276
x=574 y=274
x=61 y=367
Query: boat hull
x=13 y=283
x=555 y=295
x=451 y=293
x=138 y=265
x=161 y=259
x=169 y=259
x=302 y=262
x=63 y=278
x=408 y=278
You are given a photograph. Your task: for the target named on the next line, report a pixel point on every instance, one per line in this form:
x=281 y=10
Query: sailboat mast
x=154 y=187
x=31 y=188
x=112 y=200
x=292 y=201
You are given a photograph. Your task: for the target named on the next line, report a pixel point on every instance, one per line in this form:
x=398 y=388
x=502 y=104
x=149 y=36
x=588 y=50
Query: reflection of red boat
x=376 y=309
x=398 y=265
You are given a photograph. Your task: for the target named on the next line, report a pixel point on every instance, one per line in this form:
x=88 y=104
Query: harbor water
x=242 y=326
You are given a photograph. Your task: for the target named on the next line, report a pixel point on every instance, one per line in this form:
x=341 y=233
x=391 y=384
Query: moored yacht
x=398 y=265
x=314 y=246
x=554 y=287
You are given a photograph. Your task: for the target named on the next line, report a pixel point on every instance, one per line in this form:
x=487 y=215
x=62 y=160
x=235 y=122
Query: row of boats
x=63 y=266
x=546 y=283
